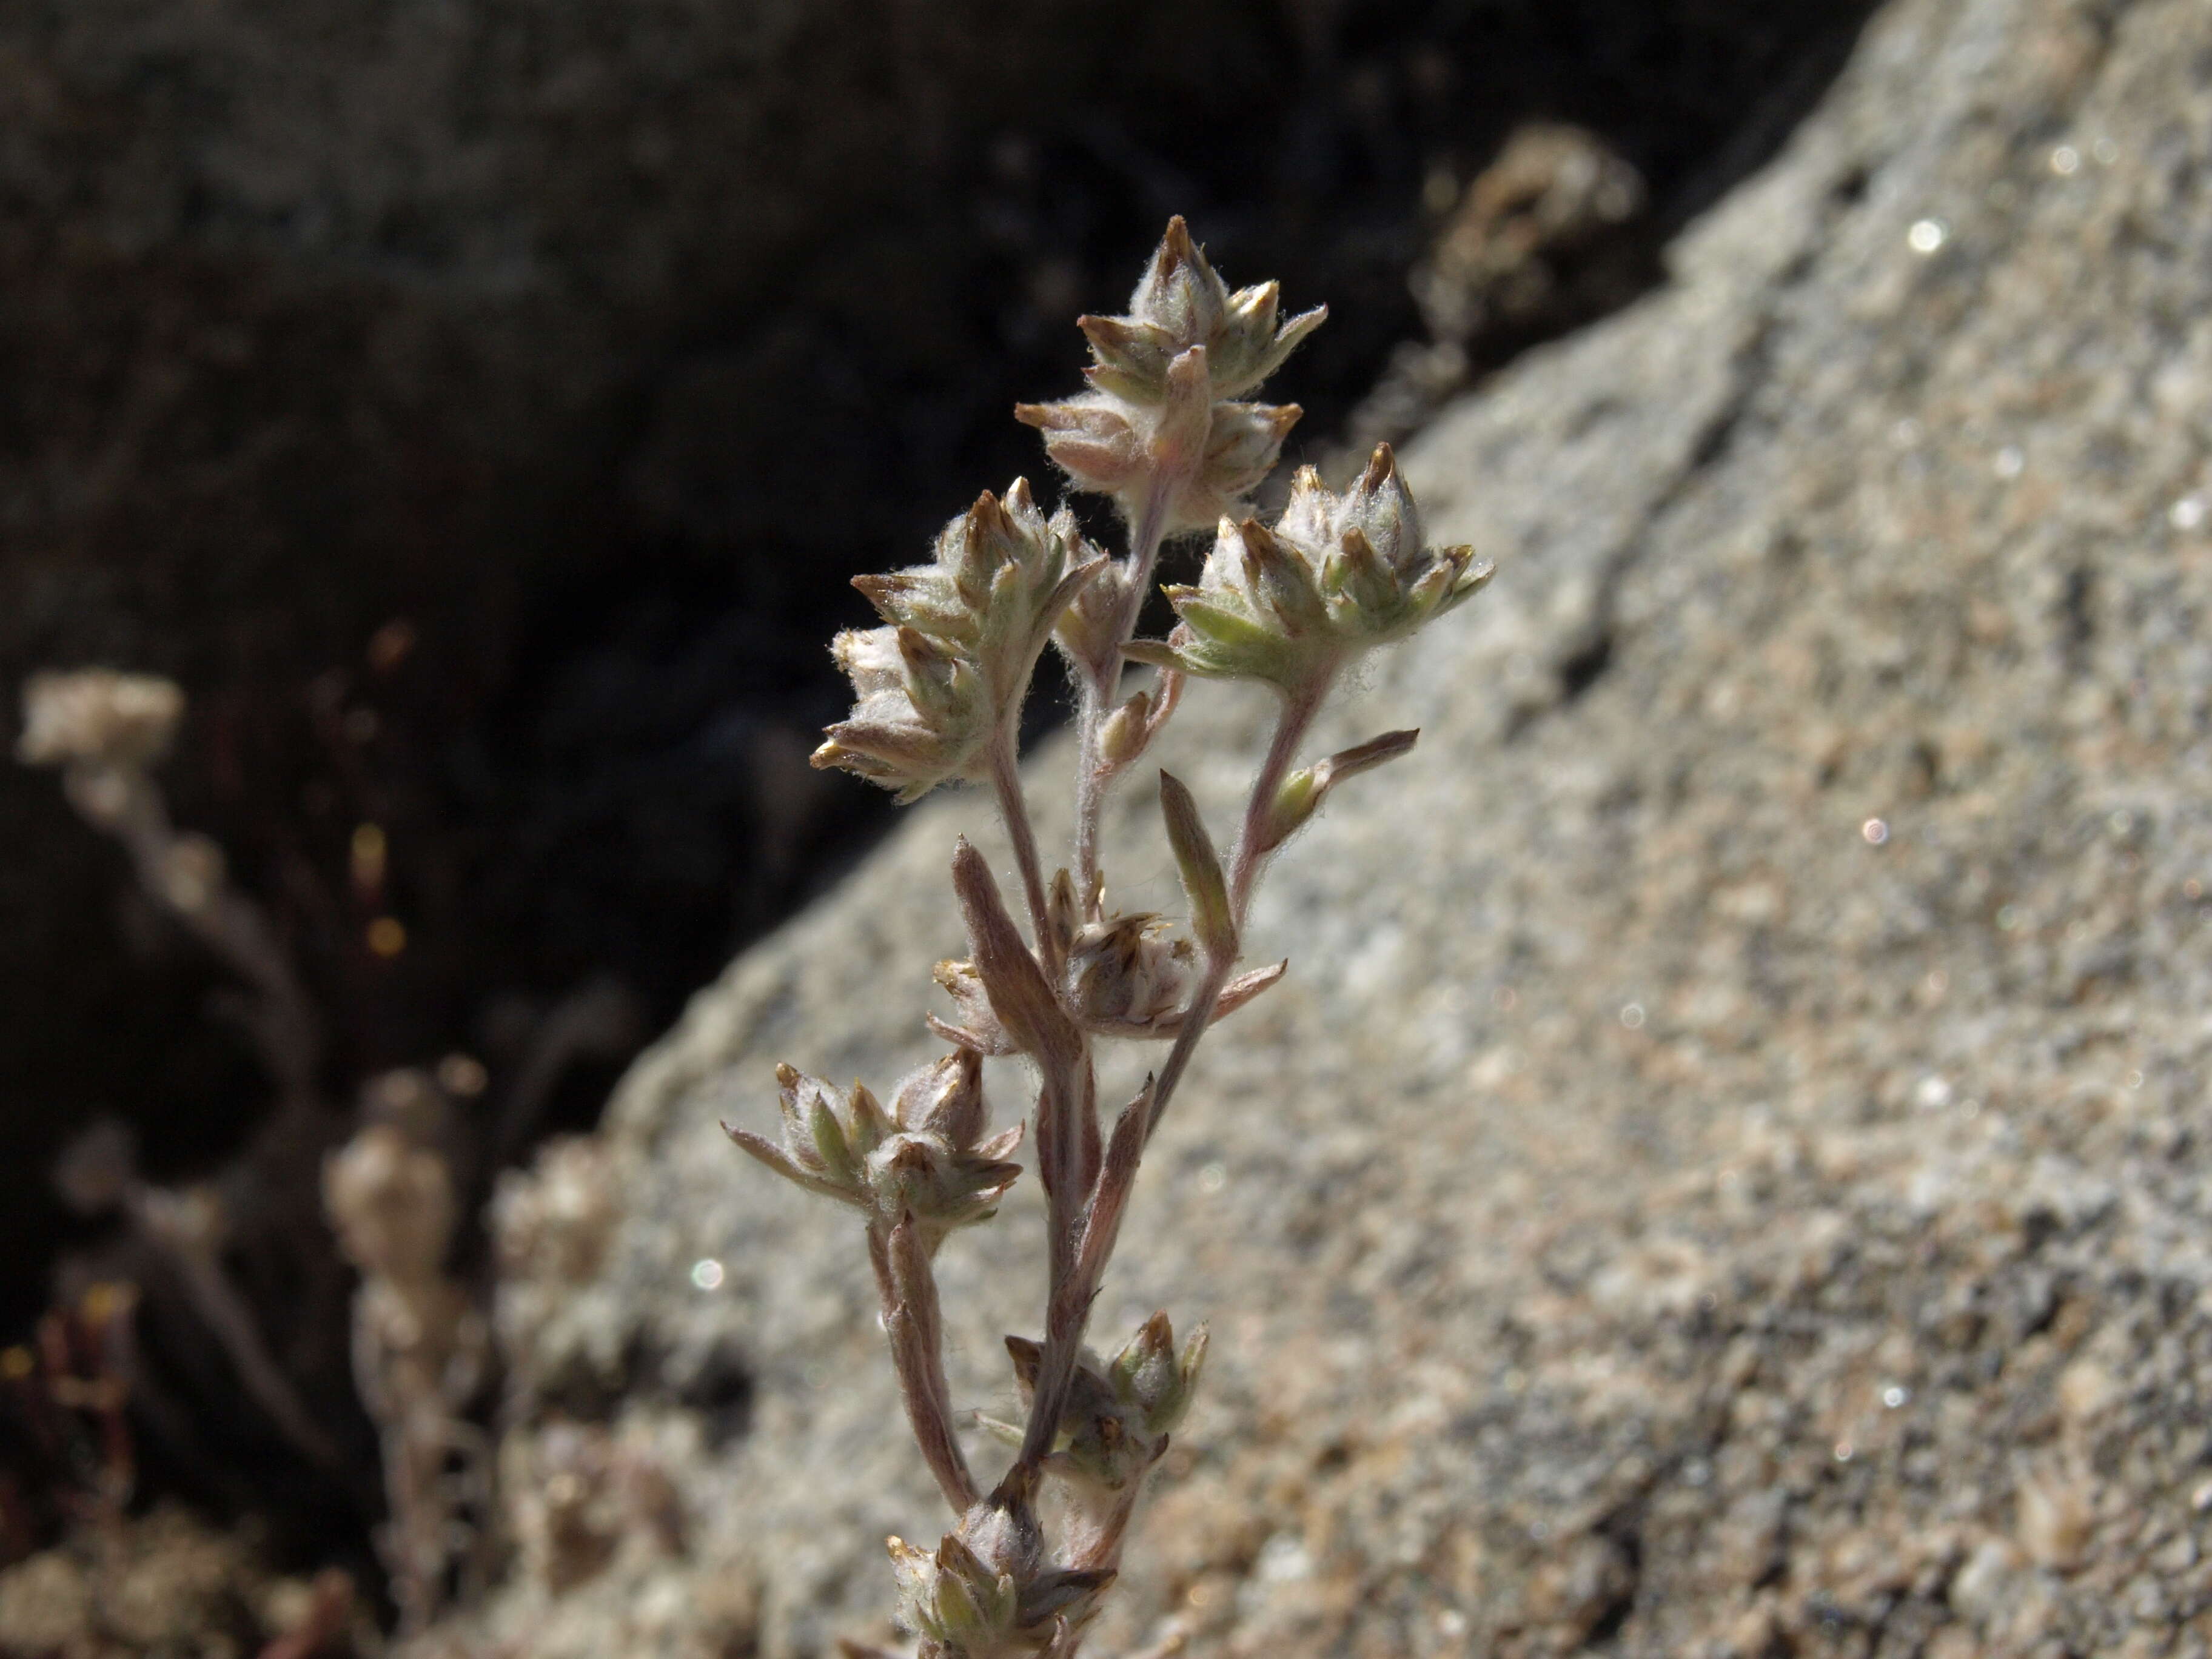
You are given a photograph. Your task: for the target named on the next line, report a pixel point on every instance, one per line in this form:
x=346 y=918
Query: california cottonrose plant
x=1164 y=431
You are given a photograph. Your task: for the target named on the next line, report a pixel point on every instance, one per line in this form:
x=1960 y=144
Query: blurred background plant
x=401 y=394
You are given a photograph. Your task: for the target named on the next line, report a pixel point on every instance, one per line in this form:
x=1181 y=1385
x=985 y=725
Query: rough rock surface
x=1724 y=1174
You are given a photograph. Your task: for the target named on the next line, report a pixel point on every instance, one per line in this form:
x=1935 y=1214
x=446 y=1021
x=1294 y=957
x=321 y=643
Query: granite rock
x=1723 y=1174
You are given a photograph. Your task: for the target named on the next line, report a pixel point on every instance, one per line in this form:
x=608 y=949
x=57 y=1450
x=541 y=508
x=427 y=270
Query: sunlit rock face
x=1724 y=1172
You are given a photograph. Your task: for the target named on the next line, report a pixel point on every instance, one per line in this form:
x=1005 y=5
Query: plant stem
x=1292 y=722
x=912 y=1323
x=1094 y=701
x=282 y=1022
x=1068 y=1105
x=1099 y=692
x=1006 y=784
x=1075 y=1284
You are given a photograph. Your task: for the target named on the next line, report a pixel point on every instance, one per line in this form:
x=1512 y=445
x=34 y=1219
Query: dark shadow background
x=481 y=410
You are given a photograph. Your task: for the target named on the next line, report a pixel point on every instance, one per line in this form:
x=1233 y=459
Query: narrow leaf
x=1202 y=881
x=1102 y=1221
x=1012 y=980
x=784 y=1165
x=1303 y=791
x=1366 y=757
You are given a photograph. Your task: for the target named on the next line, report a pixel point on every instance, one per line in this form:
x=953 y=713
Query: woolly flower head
x=948 y=667
x=1162 y=414
x=1181 y=302
x=1336 y=575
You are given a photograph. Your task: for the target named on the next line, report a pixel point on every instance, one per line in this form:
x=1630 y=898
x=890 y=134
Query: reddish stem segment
x=911 y=1320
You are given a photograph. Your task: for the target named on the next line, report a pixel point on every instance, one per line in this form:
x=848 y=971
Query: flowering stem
x=1006 y=784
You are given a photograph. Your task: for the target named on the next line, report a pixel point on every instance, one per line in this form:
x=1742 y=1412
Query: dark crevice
x=2077 y=625
x=1579 y=671
x=1593 y=652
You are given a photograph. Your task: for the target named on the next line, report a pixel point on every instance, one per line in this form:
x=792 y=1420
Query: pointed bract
x=1211 y=916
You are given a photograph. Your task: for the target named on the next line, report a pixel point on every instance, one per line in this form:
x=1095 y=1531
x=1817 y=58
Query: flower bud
x=987 y=1591
x=1119 y=1413
x=1303 y=792
x=1161 y=414
x=1091 y=629
x=825 y=1139
x=1153 y=1381
x=945 y=1098
x=952 y=1596
x=942 y=1187
x=1211 y=454
x=1122 y=738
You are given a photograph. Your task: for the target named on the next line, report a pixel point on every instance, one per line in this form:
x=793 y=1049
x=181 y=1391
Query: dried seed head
x=1129 y=976
x=1336 y=575
x=391 y=1202
x=96 y=717
x=952 y=661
